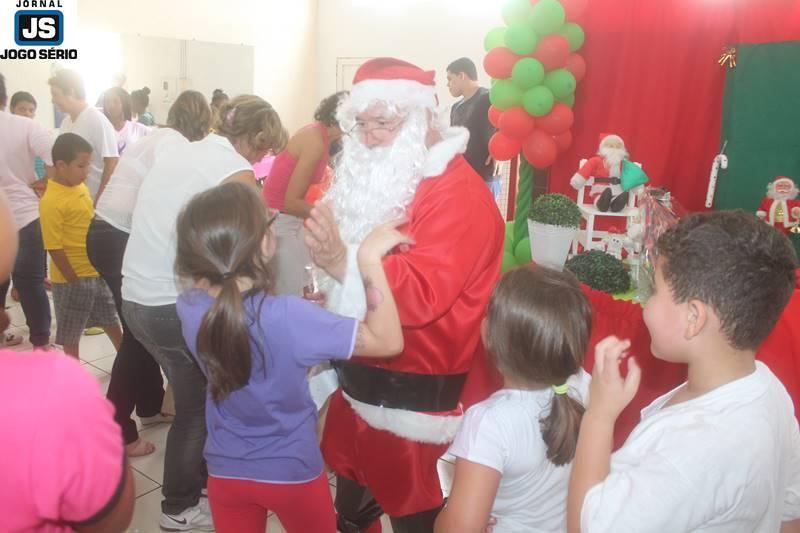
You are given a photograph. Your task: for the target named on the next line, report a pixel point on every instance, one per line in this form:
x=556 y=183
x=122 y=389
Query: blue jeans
x=159 y=330
x=29 y=272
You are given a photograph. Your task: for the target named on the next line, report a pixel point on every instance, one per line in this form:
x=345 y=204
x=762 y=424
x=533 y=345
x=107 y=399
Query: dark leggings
x=136 y=380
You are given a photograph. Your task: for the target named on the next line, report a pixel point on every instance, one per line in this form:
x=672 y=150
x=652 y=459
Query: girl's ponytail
x=223 y=342
x=560 y=428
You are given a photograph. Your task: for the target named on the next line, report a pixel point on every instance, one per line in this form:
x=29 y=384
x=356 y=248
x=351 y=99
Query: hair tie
x=230 y=116
x=228 y=275
x=560 y=389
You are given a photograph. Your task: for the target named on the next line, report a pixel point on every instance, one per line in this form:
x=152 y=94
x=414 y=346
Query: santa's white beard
x=613 y=157
x=373 y=186
x=781 y=197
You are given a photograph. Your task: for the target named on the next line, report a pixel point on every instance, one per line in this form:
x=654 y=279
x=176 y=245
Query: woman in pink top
x=295 y=169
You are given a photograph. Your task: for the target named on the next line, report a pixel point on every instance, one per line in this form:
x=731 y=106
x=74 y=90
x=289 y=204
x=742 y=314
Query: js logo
x=39 y=28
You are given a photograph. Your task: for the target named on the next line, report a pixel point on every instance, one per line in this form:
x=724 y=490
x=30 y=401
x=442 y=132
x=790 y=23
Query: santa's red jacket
x=768 y=207
x=386 y=439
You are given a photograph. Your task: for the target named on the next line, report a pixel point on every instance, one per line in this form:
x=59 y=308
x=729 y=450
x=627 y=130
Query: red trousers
x=240 y=506
x=400 y=473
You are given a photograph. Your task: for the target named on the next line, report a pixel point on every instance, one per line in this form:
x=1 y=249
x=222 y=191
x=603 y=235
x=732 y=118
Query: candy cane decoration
x=720 y=161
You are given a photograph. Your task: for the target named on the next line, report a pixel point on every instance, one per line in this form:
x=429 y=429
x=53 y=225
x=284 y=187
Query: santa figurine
x=780 y=208
x=603 y=173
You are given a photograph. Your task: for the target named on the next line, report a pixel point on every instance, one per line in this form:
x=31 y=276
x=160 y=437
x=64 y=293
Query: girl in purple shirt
x=256 y=348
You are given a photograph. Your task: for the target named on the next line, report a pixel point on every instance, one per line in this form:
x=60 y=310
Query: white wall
x=283 y=33
x=428 y=33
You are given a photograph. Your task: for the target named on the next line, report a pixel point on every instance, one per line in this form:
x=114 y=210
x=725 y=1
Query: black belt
x=400 y=390
x=612 y=181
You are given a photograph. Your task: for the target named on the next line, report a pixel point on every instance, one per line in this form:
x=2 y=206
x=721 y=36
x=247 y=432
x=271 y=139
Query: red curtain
x=653 y=79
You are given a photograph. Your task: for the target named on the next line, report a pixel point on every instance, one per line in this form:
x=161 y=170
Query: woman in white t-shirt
x=69 y=96
x=248 y=129
x=514 y=449
x=136 y=377
x=117 y=109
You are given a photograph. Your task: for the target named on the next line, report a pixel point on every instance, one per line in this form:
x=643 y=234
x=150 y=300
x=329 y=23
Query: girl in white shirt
x=117 y=108
x=513 y=450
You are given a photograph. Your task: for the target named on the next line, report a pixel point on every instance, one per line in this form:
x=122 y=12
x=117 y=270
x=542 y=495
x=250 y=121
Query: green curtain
x=761 y=122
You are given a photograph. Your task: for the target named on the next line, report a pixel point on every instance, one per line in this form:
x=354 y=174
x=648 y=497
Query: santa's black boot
x=416 y=523
x=619 y=203
x=604 y=201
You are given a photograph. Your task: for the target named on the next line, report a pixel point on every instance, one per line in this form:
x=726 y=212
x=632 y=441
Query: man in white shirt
x=69 y=95
x=21 y=141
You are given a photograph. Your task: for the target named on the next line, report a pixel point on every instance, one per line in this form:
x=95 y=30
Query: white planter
x=550 y=244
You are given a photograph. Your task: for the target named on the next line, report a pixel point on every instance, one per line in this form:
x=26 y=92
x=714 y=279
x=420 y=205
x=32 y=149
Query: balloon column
x=535 y=67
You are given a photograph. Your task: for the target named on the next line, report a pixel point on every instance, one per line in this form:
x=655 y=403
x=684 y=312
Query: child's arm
x=380 y=335
x=608 y=396
x=63 y=265
x=471 y=499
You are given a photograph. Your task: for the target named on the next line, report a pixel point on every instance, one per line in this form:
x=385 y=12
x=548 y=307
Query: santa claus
x=780 y=208
x=603 y=173
x=390 y=421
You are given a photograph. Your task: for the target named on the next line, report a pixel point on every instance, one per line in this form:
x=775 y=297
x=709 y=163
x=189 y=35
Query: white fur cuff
x=418 y=427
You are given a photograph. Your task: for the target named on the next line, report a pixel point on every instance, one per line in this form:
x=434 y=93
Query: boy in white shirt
x=721 y=452
x=69 y=95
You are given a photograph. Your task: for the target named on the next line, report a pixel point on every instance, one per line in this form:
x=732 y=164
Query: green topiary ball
x=600 y=271
x=557 y=210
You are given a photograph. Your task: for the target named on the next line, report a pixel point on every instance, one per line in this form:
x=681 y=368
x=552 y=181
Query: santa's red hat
x=781 y=178
x=393 y=81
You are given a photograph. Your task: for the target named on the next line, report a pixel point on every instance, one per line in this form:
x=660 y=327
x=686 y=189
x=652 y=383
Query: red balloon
x=577 y=66
x=540 y=149
x=557 y=121
x=563 y=141
x=573 y=8
x=503 y=147
x=494 y=116
x=516 y=123
x=552 y=51
x=499 y=62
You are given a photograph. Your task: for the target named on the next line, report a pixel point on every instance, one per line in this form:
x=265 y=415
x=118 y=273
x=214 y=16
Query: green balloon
x=509 y=262
x=548 y=17
x=574 y=35
x=496 y=37
x=505 y=94
x=510 y=236
x=527 y=73
x=521 y=39
x=522 y=253
x=517 y=12
x=561 y=82
x=568 y=100
x=538 y=101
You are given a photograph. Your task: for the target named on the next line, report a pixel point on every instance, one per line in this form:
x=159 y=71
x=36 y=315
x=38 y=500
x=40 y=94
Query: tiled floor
x=97 y=356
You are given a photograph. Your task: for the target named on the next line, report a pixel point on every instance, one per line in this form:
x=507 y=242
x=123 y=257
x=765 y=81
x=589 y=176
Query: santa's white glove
x=796 y=212
x=578 y=182
x=761 y=214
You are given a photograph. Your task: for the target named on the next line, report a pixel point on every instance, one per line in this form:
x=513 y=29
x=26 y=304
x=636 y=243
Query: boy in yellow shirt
x=80 y=296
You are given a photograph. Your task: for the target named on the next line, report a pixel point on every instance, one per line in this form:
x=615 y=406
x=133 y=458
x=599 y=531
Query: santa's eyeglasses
x=378 y=126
